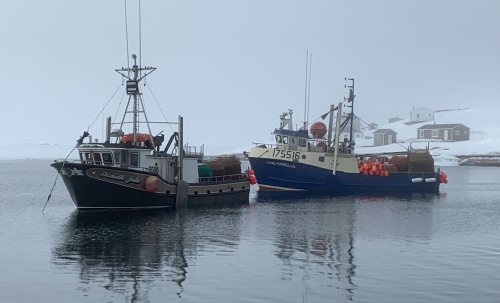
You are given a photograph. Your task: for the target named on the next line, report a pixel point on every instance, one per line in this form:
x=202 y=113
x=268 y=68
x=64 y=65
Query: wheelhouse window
x=321 y=159
x=117 y=157
x=293 y=140
x=107 y=159
x=88 y=157
x=134 y=160
x=285 y=139
x=435 y=133
x=97 y=159
x=278 y=138
x=302 y=142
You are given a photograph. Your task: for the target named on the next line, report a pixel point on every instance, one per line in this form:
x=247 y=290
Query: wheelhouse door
x=124 y=159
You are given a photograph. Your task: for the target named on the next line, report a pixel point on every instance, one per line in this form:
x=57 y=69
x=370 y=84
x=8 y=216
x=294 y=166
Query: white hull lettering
x=114 y=177
x=280 y=164
x=286 y=154
x=135 y=180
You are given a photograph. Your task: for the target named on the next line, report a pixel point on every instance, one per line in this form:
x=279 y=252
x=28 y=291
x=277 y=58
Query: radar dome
x=318 y=129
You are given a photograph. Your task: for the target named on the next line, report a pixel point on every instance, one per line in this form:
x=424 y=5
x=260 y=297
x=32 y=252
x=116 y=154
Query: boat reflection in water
x=227 y=253
x=127 y=251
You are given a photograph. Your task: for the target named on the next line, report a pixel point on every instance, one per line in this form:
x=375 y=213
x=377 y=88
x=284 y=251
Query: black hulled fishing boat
x=134 y=170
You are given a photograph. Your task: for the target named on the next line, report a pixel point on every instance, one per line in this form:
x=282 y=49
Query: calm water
x=443 y=248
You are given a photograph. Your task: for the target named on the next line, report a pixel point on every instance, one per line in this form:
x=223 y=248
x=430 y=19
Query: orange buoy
x=443 y=174
x=250 y=171
x=140 y=137
x=152 y=184
x=253 y=180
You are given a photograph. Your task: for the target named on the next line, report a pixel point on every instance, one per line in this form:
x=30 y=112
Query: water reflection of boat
x=123 y=249
x=129 y=251
x=322 y=244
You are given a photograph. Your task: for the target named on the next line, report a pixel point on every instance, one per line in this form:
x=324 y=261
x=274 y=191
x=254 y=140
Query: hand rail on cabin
x=235 y=177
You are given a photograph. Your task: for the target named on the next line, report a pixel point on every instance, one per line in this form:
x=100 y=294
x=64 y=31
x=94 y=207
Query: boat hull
x=290 y=175
x=99 y=187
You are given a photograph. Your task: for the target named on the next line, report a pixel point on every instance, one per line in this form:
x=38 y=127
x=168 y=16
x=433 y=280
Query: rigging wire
x=104 y=106
x=126 y=32
x=147 y=85
x=62 y=166
x=119 y=105
x=55 y=181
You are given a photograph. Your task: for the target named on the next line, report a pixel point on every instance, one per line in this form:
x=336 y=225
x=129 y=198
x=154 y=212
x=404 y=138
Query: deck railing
x=236 y=177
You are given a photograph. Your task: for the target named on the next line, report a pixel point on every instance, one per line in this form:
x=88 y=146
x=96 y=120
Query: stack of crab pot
x=376 y=168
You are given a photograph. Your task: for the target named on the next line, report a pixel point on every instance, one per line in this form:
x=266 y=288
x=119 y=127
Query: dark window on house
x=302 y=143
x=435 y=133
x=134 y=159
x=321 y=159
x=421 y=133
x=195 y=192
x=232 y=189
x=418 y=115
x=220 y=190
x=107 y=159
x=167 y=192
x=378 y=136
x=243 y=187
x=457 y=132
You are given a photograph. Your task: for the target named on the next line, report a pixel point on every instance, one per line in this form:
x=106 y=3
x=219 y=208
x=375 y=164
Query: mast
x=351 y=99
x=133 y=76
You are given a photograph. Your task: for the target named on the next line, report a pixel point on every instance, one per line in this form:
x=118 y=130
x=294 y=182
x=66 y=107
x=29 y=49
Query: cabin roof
x=291 y=133
x=383 y=131
x=441 y=126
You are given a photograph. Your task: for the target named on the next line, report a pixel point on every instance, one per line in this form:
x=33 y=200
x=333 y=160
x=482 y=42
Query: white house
x=421 y=114
x=357 y=133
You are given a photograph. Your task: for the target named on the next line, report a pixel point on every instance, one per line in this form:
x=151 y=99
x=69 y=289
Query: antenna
x=350 y=99
x=126 y=32
x=140 y=39
x=309 y=92
x=305 y=93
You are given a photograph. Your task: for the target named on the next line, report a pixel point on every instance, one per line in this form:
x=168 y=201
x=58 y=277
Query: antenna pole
x=309 y=90
x=351 y=99
x=305 y=93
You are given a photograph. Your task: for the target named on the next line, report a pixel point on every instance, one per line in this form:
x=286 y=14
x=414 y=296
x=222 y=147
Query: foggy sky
x=232 y=67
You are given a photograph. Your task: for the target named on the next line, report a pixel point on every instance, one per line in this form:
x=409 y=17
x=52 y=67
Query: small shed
x=384 y=137
x=421 y=114
x=445 y=132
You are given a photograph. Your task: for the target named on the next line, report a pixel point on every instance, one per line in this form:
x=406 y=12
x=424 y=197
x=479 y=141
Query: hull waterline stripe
x=280 y=188
x=304 y=182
